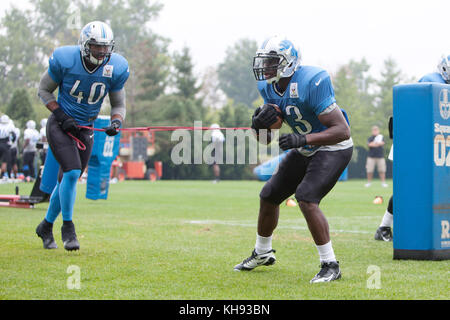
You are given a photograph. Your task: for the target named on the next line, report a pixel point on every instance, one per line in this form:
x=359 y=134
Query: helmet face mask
x=277 y=58
x=268 y=66
x=444 y=68
x=97 y=52
x=96 y=42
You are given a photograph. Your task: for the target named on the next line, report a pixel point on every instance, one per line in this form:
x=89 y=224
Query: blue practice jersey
x=308 y=94
x=432 y=77
x=81 y=92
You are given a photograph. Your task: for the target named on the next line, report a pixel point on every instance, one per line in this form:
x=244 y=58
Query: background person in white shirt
x=217 y=139
x=30 y=137
x=6 y=130
x=13 y=152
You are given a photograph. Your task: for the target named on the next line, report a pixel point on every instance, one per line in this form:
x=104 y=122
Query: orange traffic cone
x=291 y=203
x=378 y=200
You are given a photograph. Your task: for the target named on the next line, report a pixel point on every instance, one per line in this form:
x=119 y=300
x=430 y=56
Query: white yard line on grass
x=239 y=224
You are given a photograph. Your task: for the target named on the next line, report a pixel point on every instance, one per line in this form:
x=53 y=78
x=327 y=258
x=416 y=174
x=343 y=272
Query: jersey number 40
x=91 y=99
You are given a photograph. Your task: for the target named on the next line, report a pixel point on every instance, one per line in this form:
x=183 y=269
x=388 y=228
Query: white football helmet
x=444 y=68
x=44 y=123
x=100 y=36
x=4 y=119
x=276 y=58
x=31 y=124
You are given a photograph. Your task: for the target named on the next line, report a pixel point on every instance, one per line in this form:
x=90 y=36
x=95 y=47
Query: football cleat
x=383 y=234
x=69 y=237
x=329 y=271
x=44 y=231
x=256 y=260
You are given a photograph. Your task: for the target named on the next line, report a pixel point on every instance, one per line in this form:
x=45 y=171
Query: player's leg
x=45 y=229
x=370 y=167
x=384 y=231
x=382 y=171
x=279 y=187
x=4 y=157
x=324 y=170
x=72 y=172
x=216 y=171
x=67 y=155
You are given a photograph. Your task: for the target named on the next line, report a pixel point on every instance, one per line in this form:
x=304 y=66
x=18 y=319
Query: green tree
x=20 y=109
x=390 y=76
x=236 y=77
x=353 y=87
x=184 y=79
x=20 y=65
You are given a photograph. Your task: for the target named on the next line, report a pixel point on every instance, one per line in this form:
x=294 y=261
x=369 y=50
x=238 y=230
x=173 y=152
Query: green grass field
x=177 y=240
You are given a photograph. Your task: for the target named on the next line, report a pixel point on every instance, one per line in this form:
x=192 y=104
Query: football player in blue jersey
x=321 y=148
x=85 y=74
x=443 y=72
x=442 y=75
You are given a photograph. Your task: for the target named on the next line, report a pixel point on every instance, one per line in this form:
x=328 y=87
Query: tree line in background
x=163 y=88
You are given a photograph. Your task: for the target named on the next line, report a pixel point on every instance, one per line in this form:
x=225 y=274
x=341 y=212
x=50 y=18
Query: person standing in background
x=375 y=157
x=6 y=130
x=30 y=137
x=217 y=139
x=43 y=140
x=13 y=152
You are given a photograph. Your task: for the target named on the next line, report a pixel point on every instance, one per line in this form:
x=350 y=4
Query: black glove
x=68 y=124
x=292 y=140
x=113 y=128
x=264 y=117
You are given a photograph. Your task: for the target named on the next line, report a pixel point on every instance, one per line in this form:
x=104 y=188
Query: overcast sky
x=328 y=32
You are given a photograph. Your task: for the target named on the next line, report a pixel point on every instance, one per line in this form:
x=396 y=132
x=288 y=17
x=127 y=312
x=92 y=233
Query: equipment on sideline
x=25 y=202
x=422 y=171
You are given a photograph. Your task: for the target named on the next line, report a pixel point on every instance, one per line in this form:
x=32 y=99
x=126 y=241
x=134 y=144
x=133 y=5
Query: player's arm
x=45 y=91
x=337 y=131
x=118 y=111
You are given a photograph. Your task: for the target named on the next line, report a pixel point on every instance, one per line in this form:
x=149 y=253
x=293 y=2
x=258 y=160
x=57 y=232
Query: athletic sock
x=68 y=192
x=54 y=208
x=263 y=244
x=326 y=253
x=387 y=219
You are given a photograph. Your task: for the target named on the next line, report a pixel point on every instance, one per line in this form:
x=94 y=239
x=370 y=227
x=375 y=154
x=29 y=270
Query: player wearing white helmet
x=6 y=130
x=85 y=74
x=442 y=75
x=320 y=148
x=30 y=138
x=13 y=142
x=217 y=139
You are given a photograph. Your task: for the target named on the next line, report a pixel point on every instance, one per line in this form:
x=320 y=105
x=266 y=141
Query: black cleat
x=329 y=271
x=256 y=260
x=384 y=234
x=44 y=231
x=69 y=237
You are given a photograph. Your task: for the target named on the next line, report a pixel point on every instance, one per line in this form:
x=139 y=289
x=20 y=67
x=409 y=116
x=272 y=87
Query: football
x=279 y=123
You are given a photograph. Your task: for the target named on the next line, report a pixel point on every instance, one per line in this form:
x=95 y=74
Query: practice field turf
x=180 y=240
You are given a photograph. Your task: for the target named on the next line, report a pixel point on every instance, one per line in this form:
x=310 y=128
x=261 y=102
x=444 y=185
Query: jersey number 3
x=302 y=126
x=91 y=99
